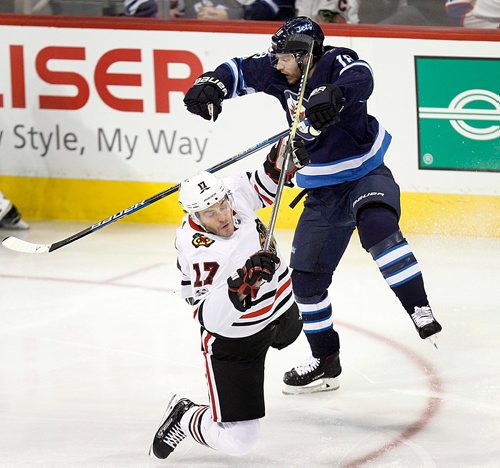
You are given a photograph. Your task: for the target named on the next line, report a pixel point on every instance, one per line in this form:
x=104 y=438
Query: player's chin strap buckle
x=299 y=197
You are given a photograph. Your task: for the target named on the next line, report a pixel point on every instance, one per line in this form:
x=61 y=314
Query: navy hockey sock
x=318 y=325
x=400 y=269
x=380 y=235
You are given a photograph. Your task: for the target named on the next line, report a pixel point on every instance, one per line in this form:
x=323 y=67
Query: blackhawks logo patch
x=200 y=240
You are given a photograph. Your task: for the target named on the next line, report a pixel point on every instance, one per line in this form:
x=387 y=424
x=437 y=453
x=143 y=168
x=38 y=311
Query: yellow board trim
x=94 y=200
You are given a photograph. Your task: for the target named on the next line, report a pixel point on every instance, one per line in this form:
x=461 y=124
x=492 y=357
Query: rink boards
x=93 y=200
x=92 y=119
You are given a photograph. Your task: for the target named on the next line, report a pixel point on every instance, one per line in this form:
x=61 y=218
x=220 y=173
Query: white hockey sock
x=231 y=438
x=194 y=423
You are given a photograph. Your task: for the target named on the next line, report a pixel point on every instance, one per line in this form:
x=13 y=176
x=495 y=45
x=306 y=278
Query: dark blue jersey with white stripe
x=346 y=151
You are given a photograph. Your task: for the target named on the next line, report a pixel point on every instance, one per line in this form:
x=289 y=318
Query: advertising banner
x=92 y=118
x=107 y=104
x=458 y=113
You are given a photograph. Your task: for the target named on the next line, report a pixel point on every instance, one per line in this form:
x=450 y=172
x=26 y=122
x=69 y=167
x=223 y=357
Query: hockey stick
x=293 y=131
x=13 y=243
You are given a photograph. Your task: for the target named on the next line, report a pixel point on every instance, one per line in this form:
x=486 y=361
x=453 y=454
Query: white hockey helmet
x=200 y=192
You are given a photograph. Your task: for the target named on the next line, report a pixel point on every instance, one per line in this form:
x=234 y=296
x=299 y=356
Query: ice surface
x=94 y=341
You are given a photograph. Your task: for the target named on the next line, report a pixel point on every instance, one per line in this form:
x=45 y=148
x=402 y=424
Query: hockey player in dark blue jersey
x=348 y=185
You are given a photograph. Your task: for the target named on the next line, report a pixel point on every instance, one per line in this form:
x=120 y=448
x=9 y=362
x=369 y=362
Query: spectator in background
x=141 y=8
x=474 y=13
x=404 y=12
x=329 y=11
x=234 y=9
x=210 y=9
x=272 y=10
x=10 y=218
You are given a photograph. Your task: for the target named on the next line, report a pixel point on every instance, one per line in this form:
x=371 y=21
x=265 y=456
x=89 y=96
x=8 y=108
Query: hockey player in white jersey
x=242 y=298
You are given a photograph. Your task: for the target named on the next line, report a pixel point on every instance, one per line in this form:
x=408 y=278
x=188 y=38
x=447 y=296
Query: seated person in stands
x=141 y=8
x=329 y=11
x=234 y=9
x=474 y=13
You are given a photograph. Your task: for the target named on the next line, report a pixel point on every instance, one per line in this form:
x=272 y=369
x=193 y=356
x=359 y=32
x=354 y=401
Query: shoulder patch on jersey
x=200 y=240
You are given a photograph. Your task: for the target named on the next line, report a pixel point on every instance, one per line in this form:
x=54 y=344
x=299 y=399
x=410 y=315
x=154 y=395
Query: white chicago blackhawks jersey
x=207 y=261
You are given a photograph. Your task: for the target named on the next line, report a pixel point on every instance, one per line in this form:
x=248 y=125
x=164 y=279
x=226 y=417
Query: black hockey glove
x=276 y=158
x=244 y=284
x=325 y=104
x=205 y=97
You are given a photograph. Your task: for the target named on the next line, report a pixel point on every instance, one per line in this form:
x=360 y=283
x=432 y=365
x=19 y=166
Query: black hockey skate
x=425 y=323
x=314 y=375
x=170 y=434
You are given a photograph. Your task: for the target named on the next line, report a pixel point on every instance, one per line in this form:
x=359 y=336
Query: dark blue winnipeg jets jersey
x=346 y=151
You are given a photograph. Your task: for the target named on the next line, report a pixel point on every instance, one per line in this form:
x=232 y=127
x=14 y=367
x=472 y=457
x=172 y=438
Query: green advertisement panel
x=458 y=111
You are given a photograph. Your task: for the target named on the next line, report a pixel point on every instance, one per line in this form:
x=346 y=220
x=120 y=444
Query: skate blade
x=173 y=401
x=432 y=340
x=321 y=385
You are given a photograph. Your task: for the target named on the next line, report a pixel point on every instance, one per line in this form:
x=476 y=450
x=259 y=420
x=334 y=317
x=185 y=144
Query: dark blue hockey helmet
x=283 y=40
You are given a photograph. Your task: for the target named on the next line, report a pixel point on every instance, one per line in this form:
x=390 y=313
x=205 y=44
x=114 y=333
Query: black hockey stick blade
x=13 y=243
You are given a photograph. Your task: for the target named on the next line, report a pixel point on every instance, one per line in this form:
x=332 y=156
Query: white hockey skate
x=314 y=375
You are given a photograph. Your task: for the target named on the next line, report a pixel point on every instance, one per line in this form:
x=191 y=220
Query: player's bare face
x=287 y=65
x=218 y=219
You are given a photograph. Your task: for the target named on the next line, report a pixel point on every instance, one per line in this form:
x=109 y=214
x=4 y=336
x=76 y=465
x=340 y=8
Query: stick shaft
x=165 y=193
x=293 y=131
x=34 y=248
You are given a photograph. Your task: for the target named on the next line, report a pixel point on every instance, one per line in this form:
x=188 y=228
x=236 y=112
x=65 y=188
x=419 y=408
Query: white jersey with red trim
x=207 y=261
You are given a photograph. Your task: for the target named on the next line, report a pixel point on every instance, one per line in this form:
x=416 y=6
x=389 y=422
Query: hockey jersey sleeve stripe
x=271 y=191
x=266 y=309
x=266 y=201
x=239 y=86
x=231 y=65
